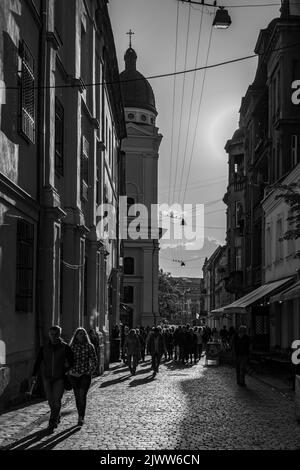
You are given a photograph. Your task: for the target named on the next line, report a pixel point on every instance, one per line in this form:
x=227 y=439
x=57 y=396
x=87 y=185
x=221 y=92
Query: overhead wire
x=173 y=104
x=150 y=77
x=198 y=116
x=182 y=100
x=191 y=101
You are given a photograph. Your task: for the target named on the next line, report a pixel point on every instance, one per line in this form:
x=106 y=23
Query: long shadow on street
x=110 y=383
x=222 y=415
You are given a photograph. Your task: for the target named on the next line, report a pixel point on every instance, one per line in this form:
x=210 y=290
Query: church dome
x=137 y=91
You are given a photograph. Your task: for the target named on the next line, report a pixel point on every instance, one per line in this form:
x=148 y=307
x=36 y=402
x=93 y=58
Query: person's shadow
x=53 y=441
x=109 y=383
x=28 y=442
x=145 y=380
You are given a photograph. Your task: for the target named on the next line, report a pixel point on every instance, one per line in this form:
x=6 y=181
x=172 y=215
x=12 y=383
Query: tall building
x=60 y=140
x=141 y=147
x=265 y=153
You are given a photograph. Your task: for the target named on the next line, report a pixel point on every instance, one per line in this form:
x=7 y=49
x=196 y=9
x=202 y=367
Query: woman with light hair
x=85 y=362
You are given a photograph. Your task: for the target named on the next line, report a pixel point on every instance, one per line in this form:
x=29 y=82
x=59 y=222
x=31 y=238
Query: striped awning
x=241 y=305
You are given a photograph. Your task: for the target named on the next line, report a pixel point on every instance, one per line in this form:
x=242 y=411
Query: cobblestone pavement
x=191 y=408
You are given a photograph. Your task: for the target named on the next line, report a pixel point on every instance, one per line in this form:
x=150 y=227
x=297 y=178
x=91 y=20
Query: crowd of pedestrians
x=182 y=344
x=70 y=366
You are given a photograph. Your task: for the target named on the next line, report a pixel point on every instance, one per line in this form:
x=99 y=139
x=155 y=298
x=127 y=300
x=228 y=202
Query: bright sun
x=220 y=129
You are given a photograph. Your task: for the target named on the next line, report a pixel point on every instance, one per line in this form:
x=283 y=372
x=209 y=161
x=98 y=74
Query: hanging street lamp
x=222 y=19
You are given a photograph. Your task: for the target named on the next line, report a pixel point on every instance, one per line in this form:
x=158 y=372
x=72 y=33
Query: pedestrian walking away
x=132 y=346
x=157 y=348
x=54 y=360
x=85 y=362
x=199 y=334
x=241 y=351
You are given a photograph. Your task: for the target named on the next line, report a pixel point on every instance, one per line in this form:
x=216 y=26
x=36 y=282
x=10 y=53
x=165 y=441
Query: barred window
x=25 y=264
x=59 y=137
x=84 y=169
x=27 y=93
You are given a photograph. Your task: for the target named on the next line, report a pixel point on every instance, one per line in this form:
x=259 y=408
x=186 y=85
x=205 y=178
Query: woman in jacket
x=85 y=362
x=132 y=346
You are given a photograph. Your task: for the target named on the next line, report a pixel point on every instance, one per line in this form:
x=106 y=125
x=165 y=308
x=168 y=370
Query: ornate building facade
x=61 y=127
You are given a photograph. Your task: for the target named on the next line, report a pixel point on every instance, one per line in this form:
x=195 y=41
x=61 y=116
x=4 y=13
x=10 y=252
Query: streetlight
x=222 y=19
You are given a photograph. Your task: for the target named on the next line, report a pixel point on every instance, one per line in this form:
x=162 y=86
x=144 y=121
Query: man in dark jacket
x=55 y=358
x=157 y=347
x=241 y=348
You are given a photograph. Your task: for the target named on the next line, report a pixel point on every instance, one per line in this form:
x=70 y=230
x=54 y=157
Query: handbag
x=67 y=383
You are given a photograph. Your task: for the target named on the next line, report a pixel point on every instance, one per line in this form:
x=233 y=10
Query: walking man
x=241 y=351
x=132 y=346
x=157 y=348
x=55 y=358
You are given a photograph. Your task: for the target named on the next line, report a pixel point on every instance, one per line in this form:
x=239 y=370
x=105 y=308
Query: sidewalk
x=17 y=422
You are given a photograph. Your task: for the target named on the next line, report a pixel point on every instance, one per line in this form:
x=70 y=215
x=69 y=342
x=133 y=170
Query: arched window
x=128 y=265
x=128 y=295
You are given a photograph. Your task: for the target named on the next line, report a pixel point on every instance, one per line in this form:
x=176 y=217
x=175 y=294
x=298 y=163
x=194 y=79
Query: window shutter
x=27 y=94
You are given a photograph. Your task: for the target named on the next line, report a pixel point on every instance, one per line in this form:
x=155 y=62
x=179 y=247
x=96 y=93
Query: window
x=294 y=150
x=268 y=247
x=58 y=17
x=291 y=247
x=238 y=214
x=59 y=137
x=109 y=146
x=130 y=116
x=128 y=265
x=144 y=117
x=27 y=94
x=279 y=242
x=98 y=185
x=278 y=162
x=25 y=263
x=278 y=93
x=84 y=169
x=238 y=259
x=84 y=53
x=128 y=294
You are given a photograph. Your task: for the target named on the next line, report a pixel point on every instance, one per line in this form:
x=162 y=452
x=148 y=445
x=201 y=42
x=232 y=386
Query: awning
x=218 y=312
x=292 y=292
x=240 y=305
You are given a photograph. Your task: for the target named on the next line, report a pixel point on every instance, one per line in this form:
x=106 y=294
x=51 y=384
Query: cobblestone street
x=191 y=408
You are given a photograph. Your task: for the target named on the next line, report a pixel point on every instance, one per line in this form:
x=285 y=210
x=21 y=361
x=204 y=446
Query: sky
x=197 y=111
